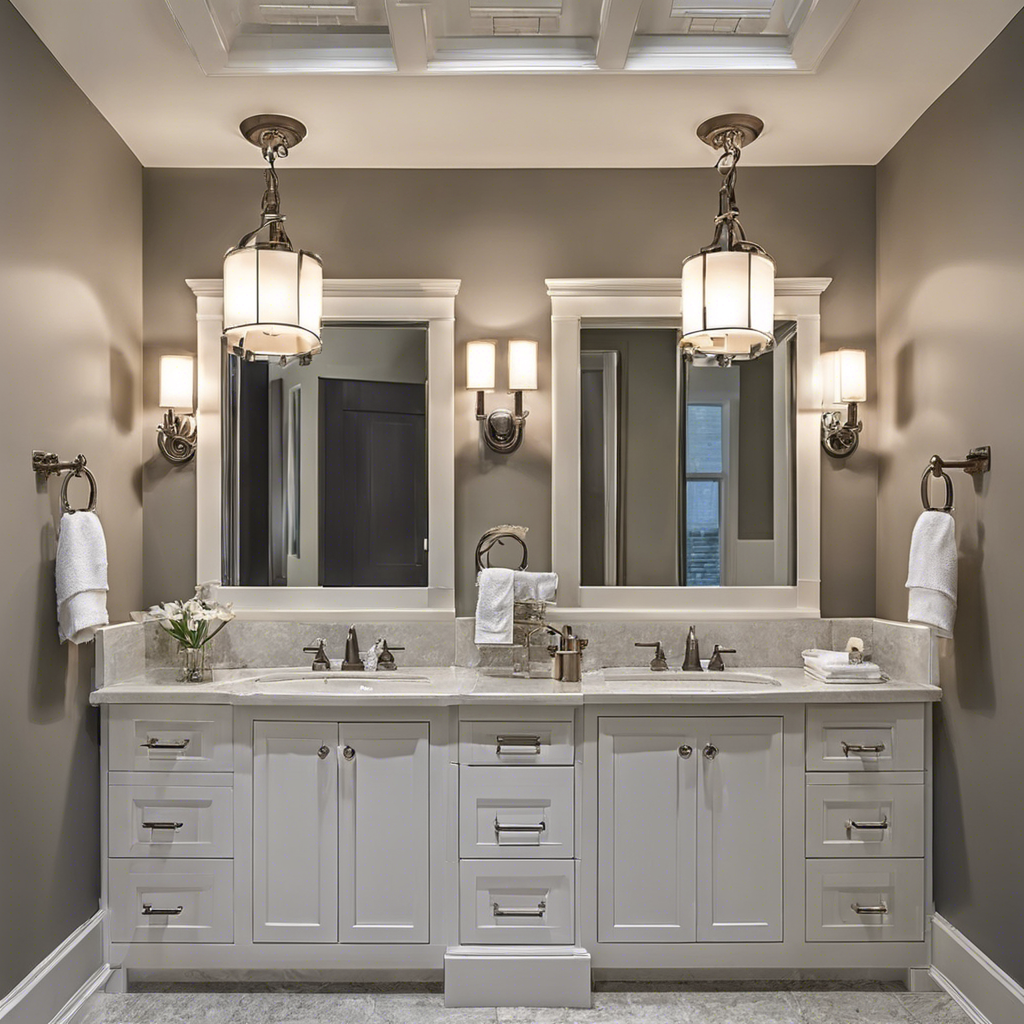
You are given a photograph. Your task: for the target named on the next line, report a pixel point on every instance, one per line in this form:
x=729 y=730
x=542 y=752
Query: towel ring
x=925 y=499
x=65 y=507
x=497 y=536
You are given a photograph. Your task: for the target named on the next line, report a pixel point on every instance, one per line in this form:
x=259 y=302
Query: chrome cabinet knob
x=323 y=751
x=685 y=750
x=348 y=753
x=710 y=751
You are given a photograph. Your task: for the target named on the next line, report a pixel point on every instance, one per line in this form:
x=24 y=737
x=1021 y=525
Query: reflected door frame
x=430 y=302
x=654 y=302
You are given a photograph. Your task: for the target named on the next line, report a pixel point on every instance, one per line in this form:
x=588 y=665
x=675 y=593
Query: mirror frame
x=430 y=302
x=654 y=302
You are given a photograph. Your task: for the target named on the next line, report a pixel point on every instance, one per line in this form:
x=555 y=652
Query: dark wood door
x=373 y=484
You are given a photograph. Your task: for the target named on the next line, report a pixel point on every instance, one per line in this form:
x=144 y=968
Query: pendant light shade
x=273 y=293
x=273 y=301
x=728 y=302
x=728 y=288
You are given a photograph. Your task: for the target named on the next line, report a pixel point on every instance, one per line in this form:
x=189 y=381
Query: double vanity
x=516 y=833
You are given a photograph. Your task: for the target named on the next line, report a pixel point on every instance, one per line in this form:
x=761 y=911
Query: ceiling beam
x=618 y=22
x=409 y=40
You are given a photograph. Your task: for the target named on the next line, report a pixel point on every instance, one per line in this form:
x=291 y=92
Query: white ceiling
x=889 y=62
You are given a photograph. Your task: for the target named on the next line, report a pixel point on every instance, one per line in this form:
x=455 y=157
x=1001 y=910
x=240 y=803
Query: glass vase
x=193 y=665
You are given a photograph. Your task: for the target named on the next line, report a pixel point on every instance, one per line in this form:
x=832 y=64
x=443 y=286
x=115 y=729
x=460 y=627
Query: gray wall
x=70 y=291
x=502 y=233
x=950 y=367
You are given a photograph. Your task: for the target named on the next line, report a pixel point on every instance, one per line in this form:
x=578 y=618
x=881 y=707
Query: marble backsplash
x=905 y=652
x=248 y=643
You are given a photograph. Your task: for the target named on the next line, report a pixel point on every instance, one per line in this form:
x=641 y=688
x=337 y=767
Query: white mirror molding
x=581 y=302
x=430 y=302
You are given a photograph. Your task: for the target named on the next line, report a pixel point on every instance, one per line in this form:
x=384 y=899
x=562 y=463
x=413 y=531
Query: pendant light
x=273 y=294
x=728 y=297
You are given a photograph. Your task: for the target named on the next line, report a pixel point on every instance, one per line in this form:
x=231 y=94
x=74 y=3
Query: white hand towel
x=494 y=606
x=81 y=577
x=836 y=667
x=931 y=578
x=535 y=586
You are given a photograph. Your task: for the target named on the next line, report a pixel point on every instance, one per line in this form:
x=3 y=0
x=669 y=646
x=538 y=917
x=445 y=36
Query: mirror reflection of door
x=325 y=464
x=686 y=466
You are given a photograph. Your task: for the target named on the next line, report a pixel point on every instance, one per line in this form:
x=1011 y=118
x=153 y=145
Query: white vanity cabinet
x=689 y=829
x=340 y=830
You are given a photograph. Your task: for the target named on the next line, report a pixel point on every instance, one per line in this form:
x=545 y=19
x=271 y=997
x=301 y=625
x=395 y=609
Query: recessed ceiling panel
x=508 y=36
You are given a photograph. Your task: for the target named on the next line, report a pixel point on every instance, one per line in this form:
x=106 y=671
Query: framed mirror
x=330 y=487
x=686 y=465
x=681 y=484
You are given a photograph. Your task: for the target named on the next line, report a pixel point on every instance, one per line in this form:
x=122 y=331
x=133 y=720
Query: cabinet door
x=647 y=797
x=739 y=829
x=295 y=832
x=385 y=834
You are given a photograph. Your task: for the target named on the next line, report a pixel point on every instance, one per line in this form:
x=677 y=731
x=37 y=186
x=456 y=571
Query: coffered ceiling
x=514 y=83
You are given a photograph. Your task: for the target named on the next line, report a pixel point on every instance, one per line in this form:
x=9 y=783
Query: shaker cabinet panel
x=739 y=830
x=647 y=802
x=295 y=832
x=385 y=832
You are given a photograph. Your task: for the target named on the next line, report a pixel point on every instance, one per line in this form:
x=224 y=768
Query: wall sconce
x=843 y=382
x=176 y=436
x=503 y=429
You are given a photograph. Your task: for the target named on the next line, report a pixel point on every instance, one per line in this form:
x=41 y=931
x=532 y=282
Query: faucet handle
x=658 y=662
x=716 y=664
x=385 y=659
x=319 y=645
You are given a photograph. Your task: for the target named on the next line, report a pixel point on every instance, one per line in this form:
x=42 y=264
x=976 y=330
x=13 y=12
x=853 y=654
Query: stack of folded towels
x=836 y=667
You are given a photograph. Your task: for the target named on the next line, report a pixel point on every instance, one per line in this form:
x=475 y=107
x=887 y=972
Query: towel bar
x=979 y=460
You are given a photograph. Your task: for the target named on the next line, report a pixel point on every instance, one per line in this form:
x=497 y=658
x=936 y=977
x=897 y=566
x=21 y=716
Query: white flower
x=223 y=612
x=168 y=610
x=204 y=591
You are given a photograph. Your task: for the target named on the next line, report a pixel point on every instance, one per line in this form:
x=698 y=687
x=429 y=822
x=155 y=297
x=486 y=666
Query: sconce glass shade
x=522 y=365
x=728 y=303
x=176 y=391
x=480 y=365
x=273 y=301
x=843 y=377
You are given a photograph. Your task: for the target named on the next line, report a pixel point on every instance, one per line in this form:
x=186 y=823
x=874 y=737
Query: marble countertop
x=414 y=687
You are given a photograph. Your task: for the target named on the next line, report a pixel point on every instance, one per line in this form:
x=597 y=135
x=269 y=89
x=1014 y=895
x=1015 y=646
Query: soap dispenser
x=352 y=662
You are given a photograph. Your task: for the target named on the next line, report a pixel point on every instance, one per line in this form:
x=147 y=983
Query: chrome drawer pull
x=163 y=824
x=884 y=823
x=858 y=909
x=862 y=748
x=507 y=912
x=516 y=741
x=148 y=910
x=539 y=827
x=169 y=745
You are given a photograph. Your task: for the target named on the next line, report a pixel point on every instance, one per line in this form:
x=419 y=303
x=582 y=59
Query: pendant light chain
x=729 y=234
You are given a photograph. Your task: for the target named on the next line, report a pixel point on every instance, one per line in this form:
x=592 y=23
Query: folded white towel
x=81 y=577
x=494 y=606
x=932 y=574
x=842 y=677
x=836 y=667
x=535 y=586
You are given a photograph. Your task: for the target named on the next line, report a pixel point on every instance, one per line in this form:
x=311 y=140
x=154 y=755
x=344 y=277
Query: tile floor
x=614 y=1003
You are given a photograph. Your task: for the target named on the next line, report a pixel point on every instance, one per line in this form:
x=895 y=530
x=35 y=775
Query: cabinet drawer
x=170 y=738
x=893 y=889
x=865 y=821
x=169 y=821
x=865 y=738
x=515 y=743
x=516 y=812
x=505 y=902
x=196 y=895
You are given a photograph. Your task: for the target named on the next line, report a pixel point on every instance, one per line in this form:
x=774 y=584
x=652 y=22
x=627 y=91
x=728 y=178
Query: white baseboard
x=57 y=987
x=987 y=994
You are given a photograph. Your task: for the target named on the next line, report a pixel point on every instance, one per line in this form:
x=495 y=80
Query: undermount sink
x=283 y=680
x=728 y=680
